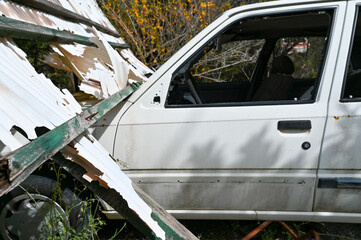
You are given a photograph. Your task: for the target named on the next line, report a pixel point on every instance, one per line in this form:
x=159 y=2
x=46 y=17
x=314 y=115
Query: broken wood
x=172 y=228
x=22 y=162
x=20 y=29
x=56 y=10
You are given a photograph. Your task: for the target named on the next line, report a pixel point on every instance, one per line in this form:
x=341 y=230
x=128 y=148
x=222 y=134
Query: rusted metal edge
x=23 y=161
x=173 y=229
x=20 y=29
x=257 y=230
x=310 y=235
x=58 y=11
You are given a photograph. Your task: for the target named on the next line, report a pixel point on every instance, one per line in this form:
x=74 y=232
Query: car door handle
x=294 y=125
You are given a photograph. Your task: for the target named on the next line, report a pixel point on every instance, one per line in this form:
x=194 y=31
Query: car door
x=195 y=144
x=339 y=183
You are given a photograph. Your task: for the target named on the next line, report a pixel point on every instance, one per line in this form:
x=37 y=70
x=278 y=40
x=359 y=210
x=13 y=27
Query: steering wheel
x=191 y=84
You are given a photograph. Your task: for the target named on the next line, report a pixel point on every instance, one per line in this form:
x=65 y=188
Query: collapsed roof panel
x=84 y=34
x=31 y=101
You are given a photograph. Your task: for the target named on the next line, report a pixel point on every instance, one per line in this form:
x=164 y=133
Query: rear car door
x=339 y=183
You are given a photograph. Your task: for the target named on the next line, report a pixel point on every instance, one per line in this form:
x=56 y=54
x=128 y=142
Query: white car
x=237 y=126
x=242 y=124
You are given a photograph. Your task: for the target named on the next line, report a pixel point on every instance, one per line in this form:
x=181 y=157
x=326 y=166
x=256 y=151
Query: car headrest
x=283 y=65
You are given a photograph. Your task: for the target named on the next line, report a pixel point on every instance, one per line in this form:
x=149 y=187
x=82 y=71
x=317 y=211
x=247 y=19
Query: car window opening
x=352 y=88
x=263 y=60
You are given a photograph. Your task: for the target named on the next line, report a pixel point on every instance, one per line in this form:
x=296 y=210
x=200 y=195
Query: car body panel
x=232 y=162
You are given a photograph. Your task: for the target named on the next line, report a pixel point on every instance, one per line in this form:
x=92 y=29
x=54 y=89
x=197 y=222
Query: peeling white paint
x=86 y=65
x=102 y=70
x=135 y=63
x=120 y=66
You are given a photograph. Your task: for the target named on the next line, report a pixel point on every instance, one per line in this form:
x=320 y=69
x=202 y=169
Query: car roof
x=273 y=4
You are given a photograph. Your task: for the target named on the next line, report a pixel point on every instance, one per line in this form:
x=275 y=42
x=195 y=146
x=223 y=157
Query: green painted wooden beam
x=19 y=29
x=58 y=11
x=171 y=226
x=18 y=165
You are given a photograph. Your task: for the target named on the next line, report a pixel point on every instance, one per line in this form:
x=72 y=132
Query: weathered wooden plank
x=19 y=29
x=18 y=165
x=172 y=228
x=58 y=11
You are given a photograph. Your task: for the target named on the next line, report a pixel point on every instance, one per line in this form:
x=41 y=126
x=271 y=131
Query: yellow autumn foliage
x=156 y=29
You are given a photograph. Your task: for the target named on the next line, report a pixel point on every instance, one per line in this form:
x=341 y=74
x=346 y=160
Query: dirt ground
x=215 y=229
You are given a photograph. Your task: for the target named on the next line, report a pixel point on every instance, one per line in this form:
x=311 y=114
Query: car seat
x=280 y=82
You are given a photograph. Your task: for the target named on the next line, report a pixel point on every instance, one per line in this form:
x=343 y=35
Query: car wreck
x=255 y=118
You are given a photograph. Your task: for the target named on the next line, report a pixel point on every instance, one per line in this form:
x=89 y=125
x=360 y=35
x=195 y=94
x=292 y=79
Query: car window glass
x=263 y=60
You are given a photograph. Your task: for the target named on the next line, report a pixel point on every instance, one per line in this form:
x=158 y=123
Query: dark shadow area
x=222 y=229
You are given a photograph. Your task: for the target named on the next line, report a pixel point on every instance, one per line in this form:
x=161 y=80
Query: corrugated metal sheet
x=19 y=12
x=25 y=94
x=88 y=9
x=30 y=100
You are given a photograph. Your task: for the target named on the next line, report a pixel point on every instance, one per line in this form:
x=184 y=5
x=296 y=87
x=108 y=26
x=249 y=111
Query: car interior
x=353 y=77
